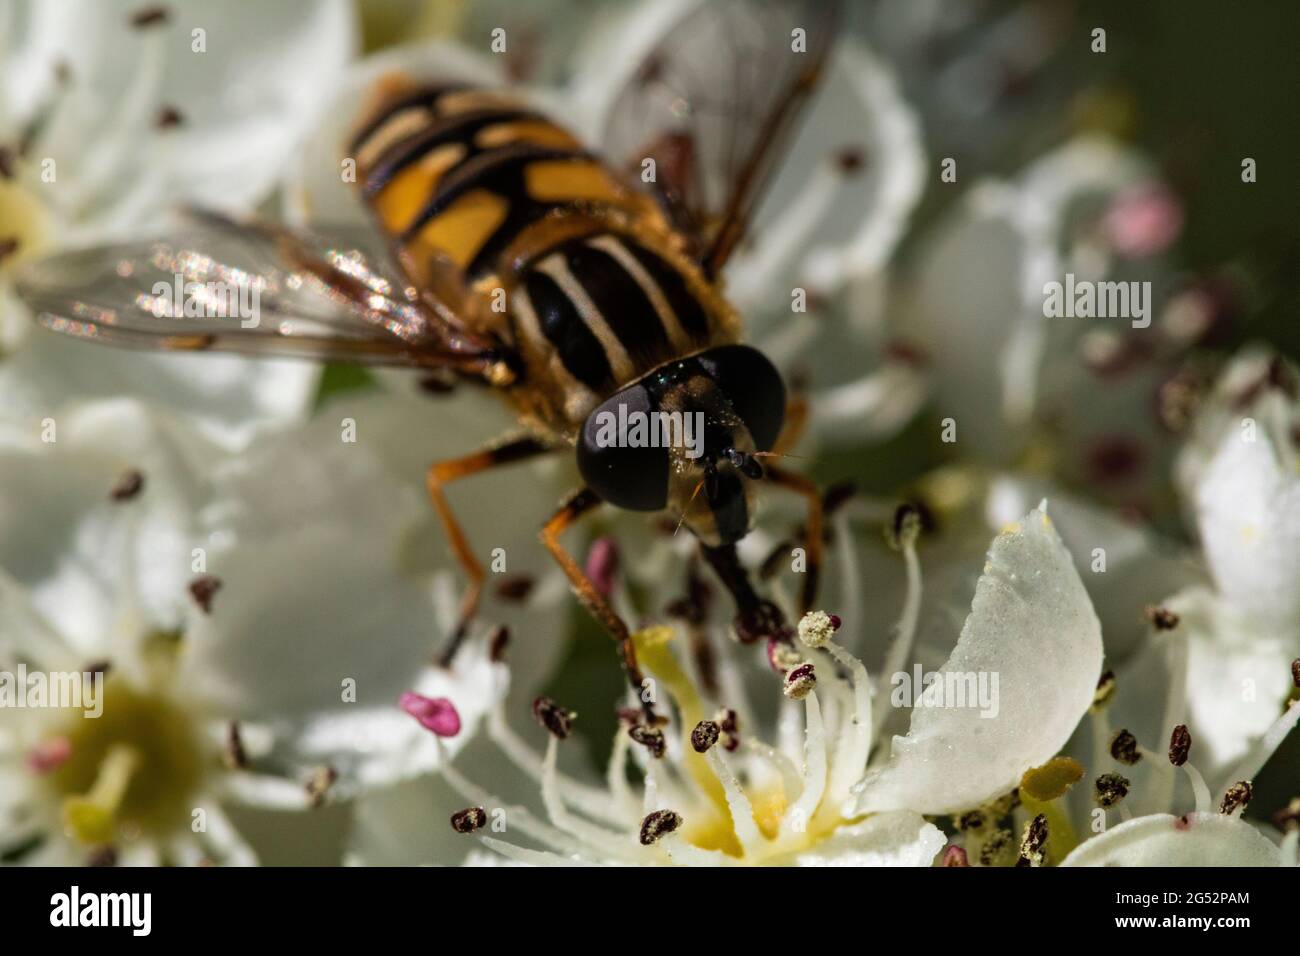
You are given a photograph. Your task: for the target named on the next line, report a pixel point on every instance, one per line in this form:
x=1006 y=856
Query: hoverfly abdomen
x=596 y=290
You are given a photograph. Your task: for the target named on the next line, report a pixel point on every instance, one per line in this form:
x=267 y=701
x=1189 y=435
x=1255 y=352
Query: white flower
x=112 y=115
x=259 y=616
x=729 y=781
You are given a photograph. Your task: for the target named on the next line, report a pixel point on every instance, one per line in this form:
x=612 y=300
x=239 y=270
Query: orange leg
x=796 y=421
x=442 y=472
x=577 y=505
x=813 y=536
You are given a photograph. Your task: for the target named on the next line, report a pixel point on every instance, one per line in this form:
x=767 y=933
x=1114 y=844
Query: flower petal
x=1033 y=629
x=1198 y=839
x=884 y=839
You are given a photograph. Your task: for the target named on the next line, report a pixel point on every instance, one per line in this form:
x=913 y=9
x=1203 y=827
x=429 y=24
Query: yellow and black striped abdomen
x=461 y=173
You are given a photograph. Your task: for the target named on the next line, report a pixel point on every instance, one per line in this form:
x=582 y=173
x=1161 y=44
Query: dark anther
x=851 y=159
x=970 y=820
x=128 y=486
x=203 y=589
x=515 y=588
x=318 y=785
x=102 y=856
x=8 y=246
x=704 y=736
x=1105 y=690
x=169 y=117
x=658 y=825
x=905 y=526
x=800 y=682
x=1180 y=744
x=1111 y=789
x=498 y=643
x=1295 y=672
x=1161 y=618
x=469 y=820
x=558 y=720
x=236 y=756
x=763 y=619
x=8 y=164
x=1236 y=797
x=1031 y=847
x=1124 y=748
x=149 y=17
x=651 y=738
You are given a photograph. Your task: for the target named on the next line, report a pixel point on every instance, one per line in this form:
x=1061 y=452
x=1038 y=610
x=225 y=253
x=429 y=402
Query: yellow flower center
x=24 y=225
x=132 y=771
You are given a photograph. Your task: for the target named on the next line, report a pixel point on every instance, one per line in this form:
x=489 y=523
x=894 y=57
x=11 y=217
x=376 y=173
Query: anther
x=8 y=164
x=781 y=655
x=603 y=564
x=651 y=738
x=150 y=17
x=850 y=159
x=1161 y=618
x=800 y=682
x=817 y=628
x=1295 y=672
x=1031 y=845
x=203 y=589
x=1124 y=748
x=955 y=856
x=498 y=643
x=658 y=825
x=556 y=719
x=436 y=714
x=1111 y=788
x=729 y=724
x=8 y=247
x=704 y=736
x=1104 y=692
x=236 y=757
x=1180 y=744
x=515 y=588
x=1236 y=797
x=128 y=486
x=469 y=819
x=169 y=117
x=904 y=528
x=319 y=784
x=970 y=820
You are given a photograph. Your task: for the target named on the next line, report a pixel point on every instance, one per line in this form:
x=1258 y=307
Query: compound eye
x=627 y=476
x=753 y=386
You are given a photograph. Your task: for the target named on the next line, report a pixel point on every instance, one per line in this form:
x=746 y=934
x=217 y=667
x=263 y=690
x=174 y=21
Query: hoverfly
x=611 y=285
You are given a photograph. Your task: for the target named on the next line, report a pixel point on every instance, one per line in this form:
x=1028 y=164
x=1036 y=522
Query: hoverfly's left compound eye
x=626 y=474
x=753 y=386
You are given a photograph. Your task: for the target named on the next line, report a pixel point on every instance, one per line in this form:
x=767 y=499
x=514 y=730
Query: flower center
x=131 y=771
x=23 y=224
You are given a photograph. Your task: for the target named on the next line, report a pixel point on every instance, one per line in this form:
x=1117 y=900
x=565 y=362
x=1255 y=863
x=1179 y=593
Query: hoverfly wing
x=713 y=104
x=217 y=284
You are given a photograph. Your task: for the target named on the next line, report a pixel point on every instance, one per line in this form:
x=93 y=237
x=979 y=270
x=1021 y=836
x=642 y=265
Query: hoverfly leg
x=578 y=504
x=756 y=618
x=813 y=537
x=441 y=473
x=797 y=409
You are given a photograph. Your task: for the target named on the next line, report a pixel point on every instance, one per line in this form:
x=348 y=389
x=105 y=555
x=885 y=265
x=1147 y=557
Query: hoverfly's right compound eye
x=627 y=476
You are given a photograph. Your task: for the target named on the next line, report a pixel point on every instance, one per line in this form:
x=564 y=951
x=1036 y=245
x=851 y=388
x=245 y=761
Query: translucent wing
x=714 y=103
x=217 y=284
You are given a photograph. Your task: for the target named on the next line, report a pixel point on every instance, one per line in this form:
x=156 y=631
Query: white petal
x=1199 y=839
x=884 y=839
x=227 y=398
x=1248 y=511
x=1033 y=626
